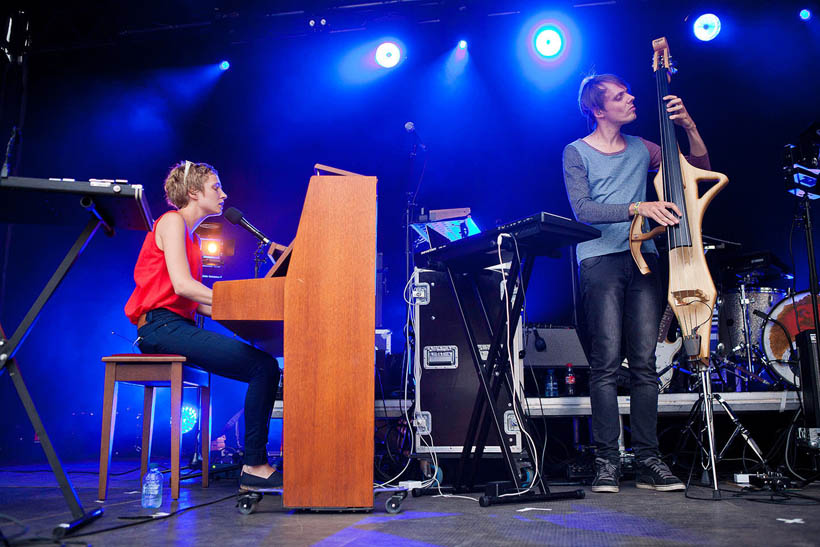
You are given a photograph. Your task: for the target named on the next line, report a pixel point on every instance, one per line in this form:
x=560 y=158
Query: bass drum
x=730 y=314
x=794 y=312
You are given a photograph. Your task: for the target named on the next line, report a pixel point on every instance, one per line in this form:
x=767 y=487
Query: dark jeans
x=168 y=332
x=621 y=304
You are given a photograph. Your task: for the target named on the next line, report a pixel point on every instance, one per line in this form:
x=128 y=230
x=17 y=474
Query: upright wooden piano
x=319 y=301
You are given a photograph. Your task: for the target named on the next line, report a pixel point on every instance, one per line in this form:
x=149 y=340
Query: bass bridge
x=694 y=295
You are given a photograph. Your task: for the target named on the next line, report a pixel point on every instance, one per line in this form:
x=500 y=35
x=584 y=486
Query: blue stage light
x=462 y=44
x=224 y=65
x=189 y=415
x=388 y=55
x=805 y=14
x=549 y=42
x=707 y=27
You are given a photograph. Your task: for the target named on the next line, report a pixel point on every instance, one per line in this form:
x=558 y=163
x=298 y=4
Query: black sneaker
x=606 y=476
x=250 y=482
x=653 y=474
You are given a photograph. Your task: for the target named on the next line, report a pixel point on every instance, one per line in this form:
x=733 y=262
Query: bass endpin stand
x=691 y=344
x=702 y=410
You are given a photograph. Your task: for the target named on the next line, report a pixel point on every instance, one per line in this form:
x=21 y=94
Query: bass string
x=680 y=254
x=668 y=194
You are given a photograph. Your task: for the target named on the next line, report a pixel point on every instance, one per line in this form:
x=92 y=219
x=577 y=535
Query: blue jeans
x=168 y=332
x=622 y=304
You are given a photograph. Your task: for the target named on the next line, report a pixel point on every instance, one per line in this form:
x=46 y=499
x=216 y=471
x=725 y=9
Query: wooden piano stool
x=152 y=371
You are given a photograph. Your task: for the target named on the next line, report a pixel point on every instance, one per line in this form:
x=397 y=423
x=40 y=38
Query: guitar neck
x=666 y=322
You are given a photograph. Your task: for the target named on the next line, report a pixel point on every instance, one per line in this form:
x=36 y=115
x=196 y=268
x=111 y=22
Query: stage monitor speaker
x=809 y=376
x=561 y=345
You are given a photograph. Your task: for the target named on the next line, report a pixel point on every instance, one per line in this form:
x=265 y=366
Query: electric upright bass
x=692 y=293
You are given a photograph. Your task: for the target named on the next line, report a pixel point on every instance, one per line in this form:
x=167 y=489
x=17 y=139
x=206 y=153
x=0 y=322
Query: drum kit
x=757 y=324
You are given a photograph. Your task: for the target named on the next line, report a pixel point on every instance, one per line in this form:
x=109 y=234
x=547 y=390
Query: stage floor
x=632 y=517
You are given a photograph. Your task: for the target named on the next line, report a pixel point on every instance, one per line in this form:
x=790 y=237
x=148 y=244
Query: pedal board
x=581 y=471
x=582 y=468
x=773 y=481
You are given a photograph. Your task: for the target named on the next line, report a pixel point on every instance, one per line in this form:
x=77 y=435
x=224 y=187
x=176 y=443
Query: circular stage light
x=805 y=14
x=388 y=55
x=707 y=27
x=224 y=65
x=549 y=42
x=462 y=44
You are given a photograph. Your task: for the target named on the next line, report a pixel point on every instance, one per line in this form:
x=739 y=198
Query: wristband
x=635 y=207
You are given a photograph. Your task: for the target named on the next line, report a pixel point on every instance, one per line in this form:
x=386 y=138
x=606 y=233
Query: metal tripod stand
x=701 y=417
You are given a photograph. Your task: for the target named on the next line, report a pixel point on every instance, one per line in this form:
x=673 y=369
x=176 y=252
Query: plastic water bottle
x=569 y=380
x=152 y=488
x=551 y=389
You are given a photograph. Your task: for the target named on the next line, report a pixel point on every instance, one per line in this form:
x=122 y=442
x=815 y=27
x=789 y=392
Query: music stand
x=102 y=204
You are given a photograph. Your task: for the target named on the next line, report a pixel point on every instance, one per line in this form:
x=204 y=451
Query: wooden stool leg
x=205 y=428
x=148 y=400
x=108 y=422
x=176 y=407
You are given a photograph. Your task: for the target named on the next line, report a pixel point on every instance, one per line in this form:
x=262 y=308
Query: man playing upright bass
x=605 y=175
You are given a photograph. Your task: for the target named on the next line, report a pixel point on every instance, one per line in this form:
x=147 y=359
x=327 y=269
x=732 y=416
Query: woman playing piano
x=170 y=292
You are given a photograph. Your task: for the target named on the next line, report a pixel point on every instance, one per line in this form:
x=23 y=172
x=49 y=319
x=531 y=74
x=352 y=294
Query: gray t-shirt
x=601 y=187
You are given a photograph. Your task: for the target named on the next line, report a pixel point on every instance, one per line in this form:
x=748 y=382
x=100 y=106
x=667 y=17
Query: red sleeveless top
x=154 y=288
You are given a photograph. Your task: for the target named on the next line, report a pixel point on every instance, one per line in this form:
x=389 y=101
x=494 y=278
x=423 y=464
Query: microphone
x=410 y=127
x=539 y=343
x=235 y=216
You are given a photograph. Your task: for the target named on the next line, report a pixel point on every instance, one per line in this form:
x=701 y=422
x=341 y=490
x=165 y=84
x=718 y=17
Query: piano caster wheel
x=247 y=502
x=393 y=504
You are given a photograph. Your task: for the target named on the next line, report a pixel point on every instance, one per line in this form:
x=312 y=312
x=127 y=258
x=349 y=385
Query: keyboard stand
x=8 y=349
x=494 y=374
x=49 y=202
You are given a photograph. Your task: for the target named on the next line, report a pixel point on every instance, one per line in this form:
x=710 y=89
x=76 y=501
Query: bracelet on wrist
x=635 y=207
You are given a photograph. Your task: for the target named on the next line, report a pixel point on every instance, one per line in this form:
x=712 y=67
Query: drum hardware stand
x=747 y=336
x=741 y=372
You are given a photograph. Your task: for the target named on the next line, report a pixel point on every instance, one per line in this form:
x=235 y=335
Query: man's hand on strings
x=664 y=213
x=678 y=112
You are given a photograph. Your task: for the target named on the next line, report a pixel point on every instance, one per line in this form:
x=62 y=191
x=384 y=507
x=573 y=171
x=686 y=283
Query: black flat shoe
x=252 y=482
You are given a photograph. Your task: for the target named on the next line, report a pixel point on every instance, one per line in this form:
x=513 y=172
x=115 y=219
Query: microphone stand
x=408 y=215
x=259 y=258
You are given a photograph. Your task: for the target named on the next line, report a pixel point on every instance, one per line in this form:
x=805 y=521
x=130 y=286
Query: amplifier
x=561 y=345
x=809 y=376
x=446 y=378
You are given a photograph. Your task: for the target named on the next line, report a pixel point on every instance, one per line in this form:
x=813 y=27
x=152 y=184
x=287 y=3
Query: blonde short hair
x=186 y=178
x=592 y=92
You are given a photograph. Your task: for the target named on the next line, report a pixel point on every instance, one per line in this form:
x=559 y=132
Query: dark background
x=126 y=91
